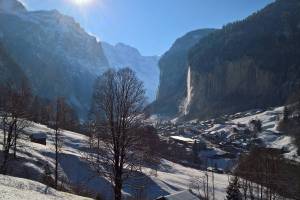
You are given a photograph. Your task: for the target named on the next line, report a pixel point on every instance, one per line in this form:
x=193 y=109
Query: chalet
x=184 y=195
x=40 y=138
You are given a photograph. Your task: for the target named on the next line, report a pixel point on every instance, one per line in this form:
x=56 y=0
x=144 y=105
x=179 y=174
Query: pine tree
x=233 y=191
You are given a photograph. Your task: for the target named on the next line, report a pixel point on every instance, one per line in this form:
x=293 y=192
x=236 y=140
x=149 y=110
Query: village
x=216 y=144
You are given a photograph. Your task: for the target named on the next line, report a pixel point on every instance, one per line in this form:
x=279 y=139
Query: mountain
x=173 y=72
x=56 y=54
x=146 y=67
x=9 y=70
x=253 y=63
x=11 y=6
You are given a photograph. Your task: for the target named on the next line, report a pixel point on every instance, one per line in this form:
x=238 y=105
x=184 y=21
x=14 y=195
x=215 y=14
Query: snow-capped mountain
x=146 y=67
x=56 y=54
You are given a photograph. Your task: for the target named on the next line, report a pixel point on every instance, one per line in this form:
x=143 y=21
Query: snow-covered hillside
x=227 y=137
x=270 y=135
x=12 y=188
x=33 y=157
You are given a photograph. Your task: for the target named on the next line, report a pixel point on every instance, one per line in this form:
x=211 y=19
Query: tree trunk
x=6 y=150
x=118 y=186
x=4 y=163
x=15 y=141
x=56 y=158
x=4 y=132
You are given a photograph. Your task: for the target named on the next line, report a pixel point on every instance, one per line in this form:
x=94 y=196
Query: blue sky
x=150 y=25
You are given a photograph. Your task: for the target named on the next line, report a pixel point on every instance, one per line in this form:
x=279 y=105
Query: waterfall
x=189 y=89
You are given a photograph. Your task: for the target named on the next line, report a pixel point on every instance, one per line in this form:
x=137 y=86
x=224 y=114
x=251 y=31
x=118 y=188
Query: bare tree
x=119 y=99
x=198 y=186
x=58 y=123
x=23 y=99
x=14 y=106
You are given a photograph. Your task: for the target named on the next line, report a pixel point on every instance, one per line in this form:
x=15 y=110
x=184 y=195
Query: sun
x=82 y=2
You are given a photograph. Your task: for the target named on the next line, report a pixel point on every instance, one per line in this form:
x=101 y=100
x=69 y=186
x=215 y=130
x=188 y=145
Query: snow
x=270 y=135
x=183 y=139
x=171 y=177
x=12 y=188
x=186 y=195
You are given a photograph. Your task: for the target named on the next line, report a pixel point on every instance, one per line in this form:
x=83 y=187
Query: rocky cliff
x=9 y=70
x=173 y=73
x=248 y=64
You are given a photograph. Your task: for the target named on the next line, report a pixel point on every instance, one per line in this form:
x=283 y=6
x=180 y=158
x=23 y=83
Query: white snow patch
x=12 y=188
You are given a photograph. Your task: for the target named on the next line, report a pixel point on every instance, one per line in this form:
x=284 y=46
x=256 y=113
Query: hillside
x=253 y=63
x=12 y=188
x=32 y=159
x=56 y=54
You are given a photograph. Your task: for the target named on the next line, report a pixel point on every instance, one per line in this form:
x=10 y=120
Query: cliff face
x=9 y=70
x=173 y=72
x=248 y=64
x=55 y=53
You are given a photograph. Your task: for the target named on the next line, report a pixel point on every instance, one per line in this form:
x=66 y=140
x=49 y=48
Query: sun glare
x=82 y=2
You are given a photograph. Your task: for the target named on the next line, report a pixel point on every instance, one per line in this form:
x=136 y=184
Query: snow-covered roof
x=184 y=195
x=183 y=139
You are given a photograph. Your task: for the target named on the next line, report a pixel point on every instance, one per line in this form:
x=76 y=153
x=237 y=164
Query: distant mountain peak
x=125 y=48
x=12 y=6
x=146 y=67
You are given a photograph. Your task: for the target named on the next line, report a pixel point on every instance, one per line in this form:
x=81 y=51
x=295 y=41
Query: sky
x=151 y=26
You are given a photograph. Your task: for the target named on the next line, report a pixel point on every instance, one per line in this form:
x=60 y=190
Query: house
x=183 y=195
x=40 y=138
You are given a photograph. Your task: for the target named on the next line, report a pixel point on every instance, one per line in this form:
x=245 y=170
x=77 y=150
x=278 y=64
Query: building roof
x=38 y=136
x=183 y=195
x=182 y=139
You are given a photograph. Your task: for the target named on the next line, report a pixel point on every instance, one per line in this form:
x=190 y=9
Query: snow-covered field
x=12 y=188
x=33 y=157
